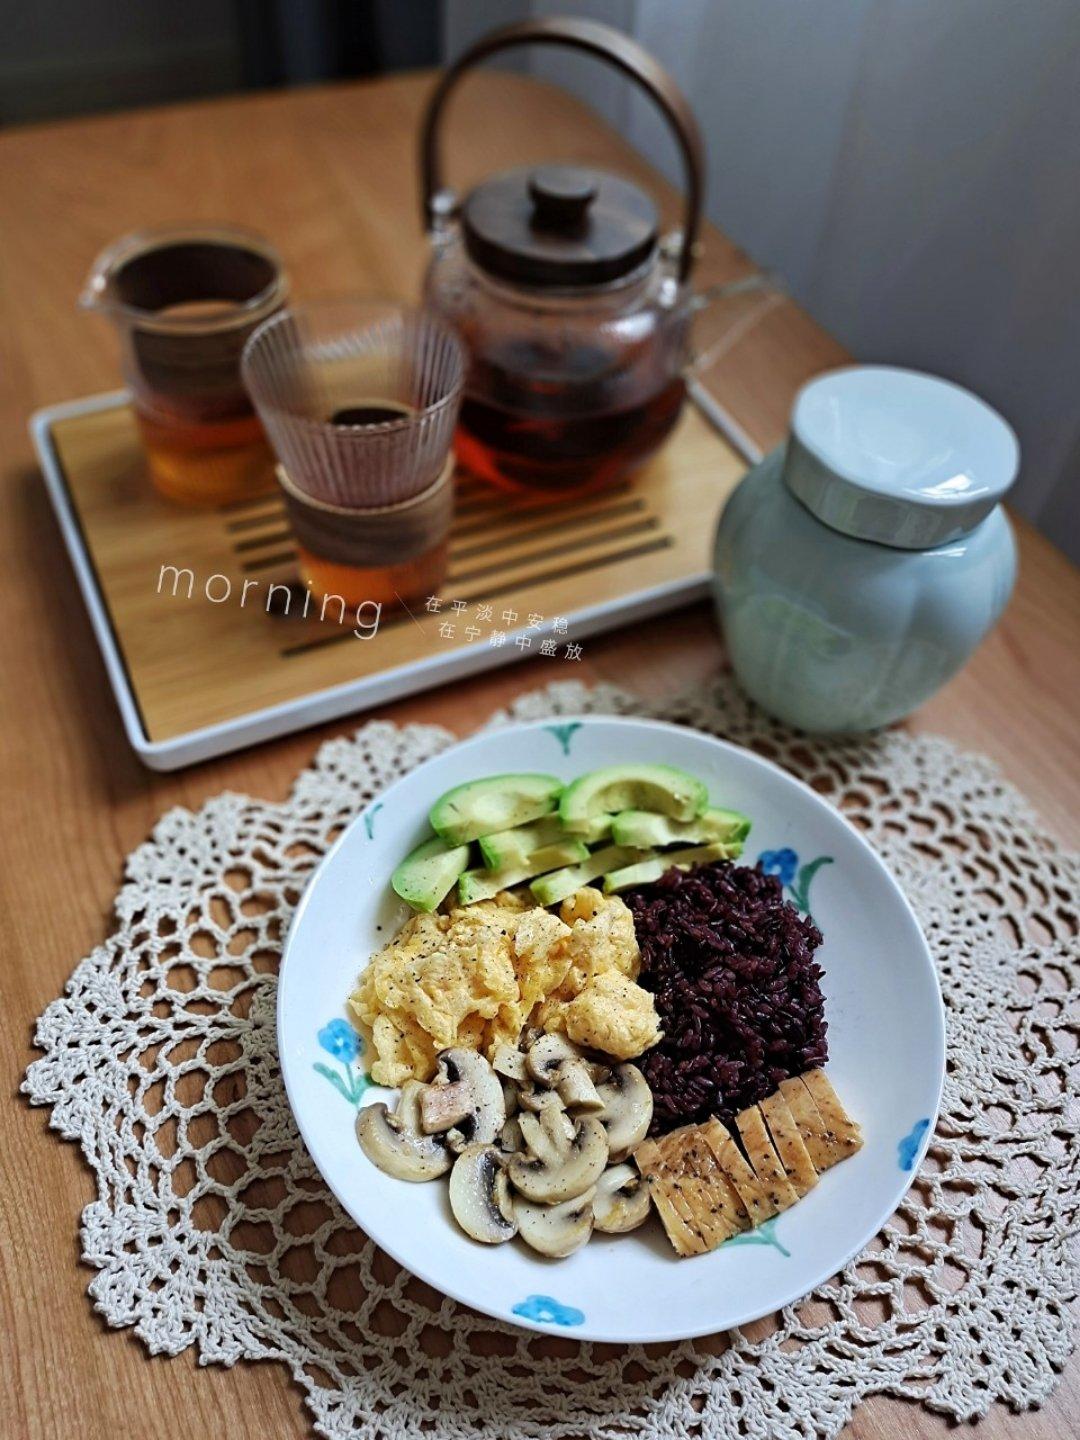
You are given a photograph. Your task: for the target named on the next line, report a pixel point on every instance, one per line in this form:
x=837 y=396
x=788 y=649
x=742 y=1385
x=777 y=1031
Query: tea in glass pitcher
x=185 y=301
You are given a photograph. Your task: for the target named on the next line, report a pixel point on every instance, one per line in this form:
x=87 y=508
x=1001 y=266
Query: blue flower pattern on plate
x=369 y=819
x=564 y=733
x=763 y=1234
x=338 y=1038
x=908 y=1147
x=781 y=863
x=796 y=879
x=549 y=1311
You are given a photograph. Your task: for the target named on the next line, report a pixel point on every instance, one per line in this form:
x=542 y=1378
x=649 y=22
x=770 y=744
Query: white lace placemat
x=212 y=1227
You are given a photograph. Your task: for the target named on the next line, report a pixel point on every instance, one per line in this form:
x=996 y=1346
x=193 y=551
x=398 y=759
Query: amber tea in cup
x=360 y=400
x=185 y=301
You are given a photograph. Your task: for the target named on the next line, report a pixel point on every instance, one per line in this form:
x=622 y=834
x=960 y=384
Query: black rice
x=731 y=967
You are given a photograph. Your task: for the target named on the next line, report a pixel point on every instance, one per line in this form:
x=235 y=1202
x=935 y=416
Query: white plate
x=886 y=1045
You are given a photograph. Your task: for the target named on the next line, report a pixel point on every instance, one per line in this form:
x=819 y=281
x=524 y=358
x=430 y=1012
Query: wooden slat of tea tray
x=192 y=663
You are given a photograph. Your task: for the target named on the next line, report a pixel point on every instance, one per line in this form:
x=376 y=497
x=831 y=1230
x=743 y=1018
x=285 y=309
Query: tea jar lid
x=559 y=225
x=896 y=456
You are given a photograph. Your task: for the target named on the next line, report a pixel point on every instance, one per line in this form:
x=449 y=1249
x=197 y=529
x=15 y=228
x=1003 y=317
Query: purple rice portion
x=731 y=967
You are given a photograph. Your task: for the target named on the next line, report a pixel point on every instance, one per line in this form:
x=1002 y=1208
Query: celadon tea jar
x=858 y=567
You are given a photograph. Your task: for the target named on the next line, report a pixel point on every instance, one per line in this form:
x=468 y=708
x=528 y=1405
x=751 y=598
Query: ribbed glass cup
x=339 y=358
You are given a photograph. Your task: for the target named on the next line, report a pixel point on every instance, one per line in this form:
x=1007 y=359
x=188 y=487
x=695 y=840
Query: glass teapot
x=575 y=313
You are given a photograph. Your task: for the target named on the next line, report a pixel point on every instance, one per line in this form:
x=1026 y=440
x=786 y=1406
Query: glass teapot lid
x=559 y=225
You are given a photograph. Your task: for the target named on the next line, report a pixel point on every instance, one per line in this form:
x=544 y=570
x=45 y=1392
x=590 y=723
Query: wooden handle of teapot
x=605 y=43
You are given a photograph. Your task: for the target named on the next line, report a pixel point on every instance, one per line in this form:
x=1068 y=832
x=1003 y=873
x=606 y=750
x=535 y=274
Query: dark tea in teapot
x=545 y=442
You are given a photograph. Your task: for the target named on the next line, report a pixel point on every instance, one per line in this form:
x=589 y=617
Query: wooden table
x=328 y=174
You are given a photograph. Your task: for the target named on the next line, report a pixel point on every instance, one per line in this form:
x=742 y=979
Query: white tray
x=321 y=704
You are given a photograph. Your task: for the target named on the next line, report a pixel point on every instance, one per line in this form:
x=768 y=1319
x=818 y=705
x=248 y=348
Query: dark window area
x=71 y=57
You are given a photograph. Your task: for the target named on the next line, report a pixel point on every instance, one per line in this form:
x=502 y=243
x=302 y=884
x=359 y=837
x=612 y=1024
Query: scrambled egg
x=476 y=976
x=610 y=1014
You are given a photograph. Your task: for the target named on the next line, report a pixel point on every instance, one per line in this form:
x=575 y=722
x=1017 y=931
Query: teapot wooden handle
x=607 y=44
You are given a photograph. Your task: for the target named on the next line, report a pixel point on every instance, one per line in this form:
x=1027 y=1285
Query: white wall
x=912 y=167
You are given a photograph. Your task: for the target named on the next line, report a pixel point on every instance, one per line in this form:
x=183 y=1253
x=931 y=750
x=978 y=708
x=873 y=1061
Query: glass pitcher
x=184 y=301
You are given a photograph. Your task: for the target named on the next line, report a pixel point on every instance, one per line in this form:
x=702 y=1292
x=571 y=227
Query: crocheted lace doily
x=213 y=1228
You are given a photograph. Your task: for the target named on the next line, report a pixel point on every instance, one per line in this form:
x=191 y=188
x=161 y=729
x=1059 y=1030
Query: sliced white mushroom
x=480 y=1195
x=577 y=1089
x=547 y=1055
x=557 y=1063
x=510 y=1137
x=555 y=1230
x=535 y=1139
x=531 y=1096
x=444 y=1106
x=547 y=1136
x=627 y=1112
x=575 y=1166
x=394 y=1142
x=410 y=1099
x=553 y=1117
x=509 y=1062
x=621 y=1202
x=467 y=1076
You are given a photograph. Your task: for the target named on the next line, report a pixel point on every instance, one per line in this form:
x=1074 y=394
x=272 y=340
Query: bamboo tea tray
x=197 y=674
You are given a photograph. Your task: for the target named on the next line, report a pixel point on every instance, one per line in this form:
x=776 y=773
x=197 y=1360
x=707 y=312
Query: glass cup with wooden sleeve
x=359 y=398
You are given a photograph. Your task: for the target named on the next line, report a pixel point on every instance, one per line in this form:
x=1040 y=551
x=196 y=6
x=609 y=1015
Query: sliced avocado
x=427 y=874
x=551 y=889
x=497 y=802
x=507 y=848
x=483 y=884
x=645 y=828
x=644 y=872
x=632 y=787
